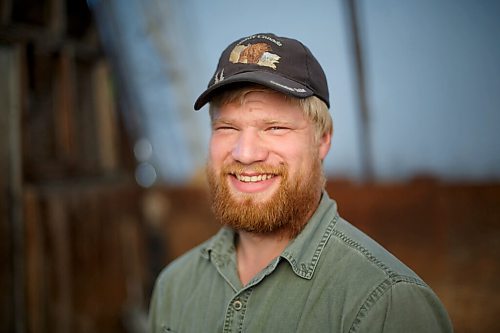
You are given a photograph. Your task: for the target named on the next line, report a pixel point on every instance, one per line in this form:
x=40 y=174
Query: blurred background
x=102 y=155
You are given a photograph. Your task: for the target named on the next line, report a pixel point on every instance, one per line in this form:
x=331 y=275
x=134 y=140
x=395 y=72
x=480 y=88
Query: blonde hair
x=313 y=107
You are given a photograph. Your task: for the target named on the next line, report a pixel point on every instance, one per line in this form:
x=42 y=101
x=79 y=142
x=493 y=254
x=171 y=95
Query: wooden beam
x=60 y=287
x=11 y=183
x=36 y=263
x=57 y=17
x=64 y=96
x=106 y=119
x=5 y=11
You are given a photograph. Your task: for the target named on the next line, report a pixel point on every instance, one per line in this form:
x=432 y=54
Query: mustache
x=260 y=167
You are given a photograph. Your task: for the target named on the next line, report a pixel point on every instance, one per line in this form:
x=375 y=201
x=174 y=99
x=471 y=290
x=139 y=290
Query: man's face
x=264 y=166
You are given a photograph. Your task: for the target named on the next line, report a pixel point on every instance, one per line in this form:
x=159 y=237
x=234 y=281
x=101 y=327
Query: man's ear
x=325 y=142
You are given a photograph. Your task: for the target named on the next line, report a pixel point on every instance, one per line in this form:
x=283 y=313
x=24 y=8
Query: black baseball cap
x=279 y=63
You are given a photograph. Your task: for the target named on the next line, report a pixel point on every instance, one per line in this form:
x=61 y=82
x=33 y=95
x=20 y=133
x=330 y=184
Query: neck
x=255 y=251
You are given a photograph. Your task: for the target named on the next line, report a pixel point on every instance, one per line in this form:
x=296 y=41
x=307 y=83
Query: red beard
x=285 y=213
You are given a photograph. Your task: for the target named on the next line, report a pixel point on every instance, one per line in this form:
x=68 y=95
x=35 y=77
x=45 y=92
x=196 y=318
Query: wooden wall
x=72 y=240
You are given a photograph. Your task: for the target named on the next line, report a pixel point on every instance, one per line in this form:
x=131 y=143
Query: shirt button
x=237 y=305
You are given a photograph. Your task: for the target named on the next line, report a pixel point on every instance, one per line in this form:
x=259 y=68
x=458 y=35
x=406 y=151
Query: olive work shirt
x=330 y=278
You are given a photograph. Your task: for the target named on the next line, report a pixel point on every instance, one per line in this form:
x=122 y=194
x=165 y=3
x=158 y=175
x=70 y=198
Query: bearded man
x=284 y=260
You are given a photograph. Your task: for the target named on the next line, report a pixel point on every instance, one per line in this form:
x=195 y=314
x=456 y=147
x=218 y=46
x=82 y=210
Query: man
x=284 y=261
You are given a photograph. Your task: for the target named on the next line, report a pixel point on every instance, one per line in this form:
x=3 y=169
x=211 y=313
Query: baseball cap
x=279 y=63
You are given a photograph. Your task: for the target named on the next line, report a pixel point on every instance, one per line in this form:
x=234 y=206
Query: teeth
x=253 y=179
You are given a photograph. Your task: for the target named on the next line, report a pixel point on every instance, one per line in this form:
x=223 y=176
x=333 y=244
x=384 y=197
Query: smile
x=253 y=179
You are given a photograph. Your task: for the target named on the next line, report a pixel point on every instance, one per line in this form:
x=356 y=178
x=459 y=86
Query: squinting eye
x=277 y=129
x=224 y=128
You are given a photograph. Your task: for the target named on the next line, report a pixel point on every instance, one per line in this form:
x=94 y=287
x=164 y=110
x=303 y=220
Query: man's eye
x=278 y=129
x=224 y=128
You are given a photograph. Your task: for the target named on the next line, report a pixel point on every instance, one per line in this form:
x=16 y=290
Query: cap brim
x=268 y=79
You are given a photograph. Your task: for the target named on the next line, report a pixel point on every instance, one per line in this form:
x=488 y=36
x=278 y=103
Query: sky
x=432 y=74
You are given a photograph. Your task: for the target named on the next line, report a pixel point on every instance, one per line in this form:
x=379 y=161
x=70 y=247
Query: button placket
x=235 y=312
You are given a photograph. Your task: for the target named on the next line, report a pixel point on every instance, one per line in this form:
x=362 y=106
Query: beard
x=285 y=213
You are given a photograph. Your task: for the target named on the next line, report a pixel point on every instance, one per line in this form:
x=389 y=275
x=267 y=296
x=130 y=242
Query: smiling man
x=284 y=260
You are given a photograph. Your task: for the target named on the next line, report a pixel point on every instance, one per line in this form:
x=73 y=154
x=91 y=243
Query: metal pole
x=364 y=116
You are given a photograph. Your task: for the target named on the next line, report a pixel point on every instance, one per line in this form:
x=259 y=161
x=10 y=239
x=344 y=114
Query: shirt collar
x=304 y=252
x=222 y=244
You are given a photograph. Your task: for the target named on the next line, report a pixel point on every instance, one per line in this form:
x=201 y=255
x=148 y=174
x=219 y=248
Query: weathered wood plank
x=11 y=217
x=106 y=117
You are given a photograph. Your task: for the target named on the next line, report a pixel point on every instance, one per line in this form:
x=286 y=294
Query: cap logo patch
x=254 y=54
x=219 y=76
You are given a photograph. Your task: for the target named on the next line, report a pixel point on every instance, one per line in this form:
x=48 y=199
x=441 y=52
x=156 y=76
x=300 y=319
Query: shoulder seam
x=376 y=294
x=355 y=245
x=392 y=278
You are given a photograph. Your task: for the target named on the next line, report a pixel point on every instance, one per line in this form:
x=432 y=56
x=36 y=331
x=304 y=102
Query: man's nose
x=249 y=148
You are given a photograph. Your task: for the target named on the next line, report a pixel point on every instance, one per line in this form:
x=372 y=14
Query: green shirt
x=331 y=278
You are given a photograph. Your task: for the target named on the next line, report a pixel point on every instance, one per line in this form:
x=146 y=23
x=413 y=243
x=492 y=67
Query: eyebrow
x=277 y=122
x=221 y=121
